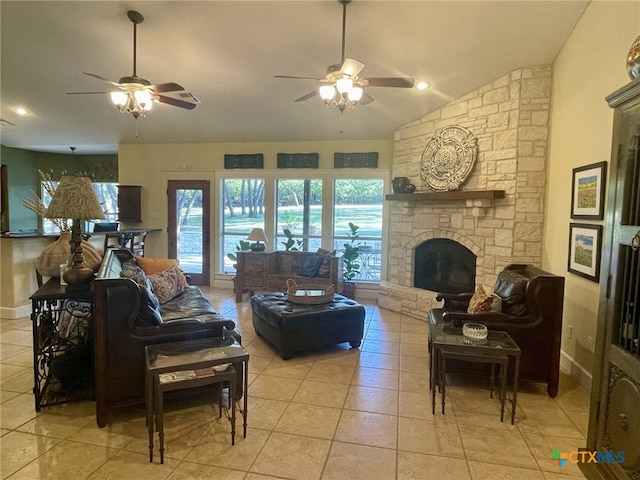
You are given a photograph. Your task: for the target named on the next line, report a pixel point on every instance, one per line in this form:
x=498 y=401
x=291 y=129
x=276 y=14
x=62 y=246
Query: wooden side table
x=251 y=270
x=187 y=362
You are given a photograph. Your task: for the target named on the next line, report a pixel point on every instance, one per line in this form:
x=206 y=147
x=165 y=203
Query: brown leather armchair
x=531 y=313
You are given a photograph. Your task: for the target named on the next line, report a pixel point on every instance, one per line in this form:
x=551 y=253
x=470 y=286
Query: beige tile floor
x=331 y=414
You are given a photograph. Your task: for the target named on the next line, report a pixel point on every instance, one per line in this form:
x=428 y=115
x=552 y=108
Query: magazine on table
x=70 y=324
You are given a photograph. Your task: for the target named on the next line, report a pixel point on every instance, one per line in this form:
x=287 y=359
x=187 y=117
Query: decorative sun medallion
x=449 y=158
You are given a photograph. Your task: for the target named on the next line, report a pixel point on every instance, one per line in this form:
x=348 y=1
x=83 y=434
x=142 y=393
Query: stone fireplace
x=510 y=118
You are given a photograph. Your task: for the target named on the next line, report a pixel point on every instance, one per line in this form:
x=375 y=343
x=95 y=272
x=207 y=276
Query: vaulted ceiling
x=226 y=53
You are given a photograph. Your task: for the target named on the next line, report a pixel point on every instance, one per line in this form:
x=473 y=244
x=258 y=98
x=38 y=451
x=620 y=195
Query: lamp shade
x=257 y=235
x=327 y=92
x=355 y=93
x=75 y=198
x=119 y=98
x=344 y=84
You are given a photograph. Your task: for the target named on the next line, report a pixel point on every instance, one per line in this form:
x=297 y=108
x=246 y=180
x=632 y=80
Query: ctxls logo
x=586 y=456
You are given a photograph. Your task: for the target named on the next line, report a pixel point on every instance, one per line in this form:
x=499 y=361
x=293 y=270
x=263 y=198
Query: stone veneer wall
x=510 y=118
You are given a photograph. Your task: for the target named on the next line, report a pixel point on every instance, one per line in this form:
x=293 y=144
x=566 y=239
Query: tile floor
x=336 y=414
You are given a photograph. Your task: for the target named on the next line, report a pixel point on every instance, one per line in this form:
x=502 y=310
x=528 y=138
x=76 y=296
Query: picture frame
x=585 y=247
x=588 y=191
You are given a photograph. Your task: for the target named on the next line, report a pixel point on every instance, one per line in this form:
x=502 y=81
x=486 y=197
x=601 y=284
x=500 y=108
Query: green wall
x=23 y=178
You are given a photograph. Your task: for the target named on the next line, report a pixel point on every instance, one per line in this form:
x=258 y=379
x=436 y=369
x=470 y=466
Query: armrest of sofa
x=168 y=332
x=455 y=301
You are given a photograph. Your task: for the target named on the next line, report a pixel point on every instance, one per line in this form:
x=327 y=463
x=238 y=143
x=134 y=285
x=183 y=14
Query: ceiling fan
x=137 y=94
x=342 y=87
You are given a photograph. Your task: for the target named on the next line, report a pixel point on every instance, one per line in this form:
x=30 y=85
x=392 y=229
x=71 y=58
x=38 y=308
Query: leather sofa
x=121 y=333
x=531 y=312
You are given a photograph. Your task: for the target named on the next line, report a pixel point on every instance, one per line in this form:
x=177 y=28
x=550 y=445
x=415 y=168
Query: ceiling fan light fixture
x=143 y=99
x=327 y=92
x=136 y=102
x=344 y=85
x=355 y=94
x=119 y=99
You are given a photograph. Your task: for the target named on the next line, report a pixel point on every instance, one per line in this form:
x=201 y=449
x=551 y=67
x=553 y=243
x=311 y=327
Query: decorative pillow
x=480 y=301
x=310 y=266
x=130 y=269
x=155 y=265
x=149 y=311
x=168 y=284
x=325 y=266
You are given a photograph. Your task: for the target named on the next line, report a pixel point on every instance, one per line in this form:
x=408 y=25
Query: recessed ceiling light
x=21 y=111
x=422 y=85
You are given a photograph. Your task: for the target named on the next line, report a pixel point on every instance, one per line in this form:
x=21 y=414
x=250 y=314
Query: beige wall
x=152 y=165
x=590 y=66
x=18 y=273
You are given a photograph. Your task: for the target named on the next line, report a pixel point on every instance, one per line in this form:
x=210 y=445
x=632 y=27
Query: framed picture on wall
x=585 y=245
x=588 y=190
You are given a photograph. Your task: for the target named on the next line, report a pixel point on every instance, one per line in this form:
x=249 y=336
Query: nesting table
x=498 y=349
x=191 y=364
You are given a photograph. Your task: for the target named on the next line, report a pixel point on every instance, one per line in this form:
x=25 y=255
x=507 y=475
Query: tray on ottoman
x=294 y=327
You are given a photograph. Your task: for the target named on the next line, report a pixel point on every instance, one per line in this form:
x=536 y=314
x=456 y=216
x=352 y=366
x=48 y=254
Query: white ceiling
x=226 y=53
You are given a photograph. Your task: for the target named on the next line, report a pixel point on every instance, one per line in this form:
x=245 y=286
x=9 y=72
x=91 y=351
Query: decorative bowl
x=475 y=331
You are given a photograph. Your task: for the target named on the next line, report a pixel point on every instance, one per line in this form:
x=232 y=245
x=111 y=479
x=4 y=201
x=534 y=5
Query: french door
x=189 y=227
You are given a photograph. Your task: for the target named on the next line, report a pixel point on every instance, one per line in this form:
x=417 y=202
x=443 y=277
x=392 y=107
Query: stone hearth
x=510 y=118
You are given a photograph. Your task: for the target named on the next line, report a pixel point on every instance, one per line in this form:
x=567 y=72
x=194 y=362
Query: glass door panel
x=189 y=229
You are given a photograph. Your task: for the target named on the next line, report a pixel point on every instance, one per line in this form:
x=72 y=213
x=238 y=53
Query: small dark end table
x=497 y=345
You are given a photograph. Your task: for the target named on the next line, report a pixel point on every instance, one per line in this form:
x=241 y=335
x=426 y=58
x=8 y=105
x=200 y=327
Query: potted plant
x=241 y=246
x=351 y=265
x=292 y=245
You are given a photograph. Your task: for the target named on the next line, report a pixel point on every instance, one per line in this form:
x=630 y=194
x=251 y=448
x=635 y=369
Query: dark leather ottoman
x=294 y=327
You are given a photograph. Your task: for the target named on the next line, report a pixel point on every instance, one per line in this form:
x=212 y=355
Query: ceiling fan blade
x=307 y=96
x=166 y=87
x=366 y=99
x=400 y=82
x=103 y=79
x=351 y=67
x=294 y=77
x=175 y=102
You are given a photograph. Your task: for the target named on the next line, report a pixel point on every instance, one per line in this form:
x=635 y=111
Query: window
x=243 y=210
x=107 y=194
x=359 y=201
x=315 y=206
x=299 y=209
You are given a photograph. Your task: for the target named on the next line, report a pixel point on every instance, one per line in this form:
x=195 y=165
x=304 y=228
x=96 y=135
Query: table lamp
x=257 y=235
x=75 y=198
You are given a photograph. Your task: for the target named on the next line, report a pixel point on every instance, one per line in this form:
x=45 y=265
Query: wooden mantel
x=444 y=196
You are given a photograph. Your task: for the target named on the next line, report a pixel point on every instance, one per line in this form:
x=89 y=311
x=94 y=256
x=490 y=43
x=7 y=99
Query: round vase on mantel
x=399 y=183
x=59 y=252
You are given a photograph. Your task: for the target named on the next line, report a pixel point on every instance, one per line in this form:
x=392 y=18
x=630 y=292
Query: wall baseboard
x=576 y=370
x=15 y=312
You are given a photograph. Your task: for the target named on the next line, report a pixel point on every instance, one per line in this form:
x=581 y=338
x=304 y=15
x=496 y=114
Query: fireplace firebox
x=444 y=265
